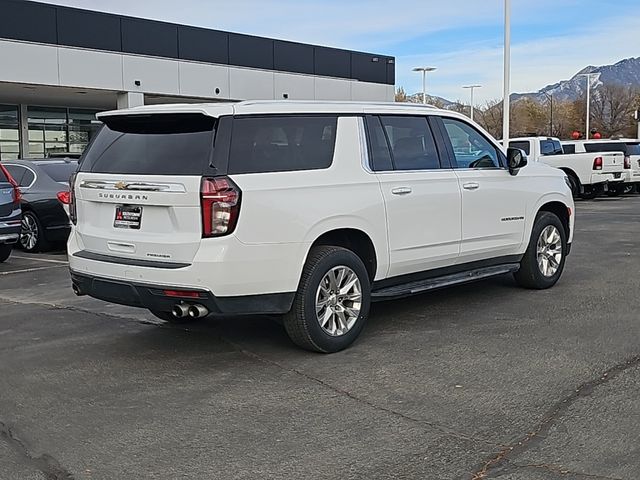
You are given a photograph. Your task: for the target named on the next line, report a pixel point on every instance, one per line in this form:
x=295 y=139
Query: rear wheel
x=589 y=193
x=5 y=252
x=543 y=262
x=32 y=234
x=332 y=302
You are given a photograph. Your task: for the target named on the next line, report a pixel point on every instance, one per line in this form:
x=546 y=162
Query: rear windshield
x=161 y=144
x=524 y=146
x=59 y=172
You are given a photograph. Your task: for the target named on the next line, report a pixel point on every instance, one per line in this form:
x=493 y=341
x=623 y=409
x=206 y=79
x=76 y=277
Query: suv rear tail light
x=597 y=163
x=17 y=194
x=220 y=206
x=73 y=213
x=627 y=161
x=64 y=197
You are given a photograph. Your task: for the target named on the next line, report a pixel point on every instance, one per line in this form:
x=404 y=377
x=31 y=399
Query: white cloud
x=534 y=63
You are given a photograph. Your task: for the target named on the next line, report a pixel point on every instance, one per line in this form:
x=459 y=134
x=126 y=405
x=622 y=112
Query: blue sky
x=551 y=39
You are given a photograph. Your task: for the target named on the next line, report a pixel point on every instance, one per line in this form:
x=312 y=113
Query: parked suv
x=311 y=210
x=10 y=213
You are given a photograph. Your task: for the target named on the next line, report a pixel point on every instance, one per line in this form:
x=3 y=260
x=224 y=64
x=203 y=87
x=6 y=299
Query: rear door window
x=282 y=143
x=160 y=144
x=524 y=146
x=550 y=147
x=412 y=144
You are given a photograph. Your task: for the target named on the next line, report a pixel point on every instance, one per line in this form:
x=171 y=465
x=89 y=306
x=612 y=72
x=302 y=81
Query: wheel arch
x=561 y=210
x=356 y=240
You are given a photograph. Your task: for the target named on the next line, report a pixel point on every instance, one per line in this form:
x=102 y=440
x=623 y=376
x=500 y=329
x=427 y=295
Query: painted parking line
x=36 y=259
x=34 y=269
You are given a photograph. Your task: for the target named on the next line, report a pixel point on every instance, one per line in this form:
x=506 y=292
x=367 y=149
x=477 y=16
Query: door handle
x=471 y=186
x=401 y=191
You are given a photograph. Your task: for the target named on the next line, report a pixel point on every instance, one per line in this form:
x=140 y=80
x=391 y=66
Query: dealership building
x=59 y=66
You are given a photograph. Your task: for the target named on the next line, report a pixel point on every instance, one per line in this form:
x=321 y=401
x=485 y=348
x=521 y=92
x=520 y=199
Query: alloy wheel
x=29 y=233
x=549 y=251
x=338 y=301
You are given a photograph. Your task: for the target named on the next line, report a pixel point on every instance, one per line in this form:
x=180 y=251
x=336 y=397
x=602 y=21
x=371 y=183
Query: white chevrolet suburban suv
x=306 y=209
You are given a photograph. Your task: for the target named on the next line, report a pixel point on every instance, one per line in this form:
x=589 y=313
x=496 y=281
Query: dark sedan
x=9 y=213
x=45 y=188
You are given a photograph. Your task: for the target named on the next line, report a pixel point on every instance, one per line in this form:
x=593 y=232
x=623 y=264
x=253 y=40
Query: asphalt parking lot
x=480 y=381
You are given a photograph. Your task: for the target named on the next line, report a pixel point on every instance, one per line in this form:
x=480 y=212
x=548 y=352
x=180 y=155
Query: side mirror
x=516 y=159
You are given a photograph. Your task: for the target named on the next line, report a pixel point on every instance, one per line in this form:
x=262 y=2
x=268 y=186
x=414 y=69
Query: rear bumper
x=9 y=232
x=152 y=297
x=602 y=178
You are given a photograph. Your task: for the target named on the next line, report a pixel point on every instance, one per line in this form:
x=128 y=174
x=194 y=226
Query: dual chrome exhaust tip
x=182 y=310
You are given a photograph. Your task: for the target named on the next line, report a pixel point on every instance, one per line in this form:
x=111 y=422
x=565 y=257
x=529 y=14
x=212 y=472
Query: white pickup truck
x=590 y=174
x=630 y=147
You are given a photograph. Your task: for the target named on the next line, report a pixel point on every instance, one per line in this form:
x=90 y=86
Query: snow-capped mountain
x=625 y=72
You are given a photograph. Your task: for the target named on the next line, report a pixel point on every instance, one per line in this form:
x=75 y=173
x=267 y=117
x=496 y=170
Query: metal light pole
x=424 y=71
x=588 y=75
x=507 y=72
x=472 y=88
x=550 y=97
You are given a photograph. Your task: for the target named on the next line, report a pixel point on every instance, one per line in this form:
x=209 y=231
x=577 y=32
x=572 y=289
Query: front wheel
x=543 y=262
x=332 y=303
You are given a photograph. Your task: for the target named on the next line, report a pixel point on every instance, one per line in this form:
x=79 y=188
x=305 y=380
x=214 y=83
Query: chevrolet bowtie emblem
x=121 y=186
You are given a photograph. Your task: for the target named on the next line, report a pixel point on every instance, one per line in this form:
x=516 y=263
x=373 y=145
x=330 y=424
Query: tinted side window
x=524 y=146
x=550 y=147
x=412 y=143
x=16 y=172
x=471 y=149
x=59 y=172
x=605 y=147
x=282 y=143
x=27 y=178
x=379 y=155
x=569 y=148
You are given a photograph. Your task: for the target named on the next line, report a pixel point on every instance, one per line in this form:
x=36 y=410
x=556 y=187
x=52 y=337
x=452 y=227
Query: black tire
x=615 y=191
x=5 y=252
x=530 y=274
x=31 y=225
x=589 y=194
x=302 y=324
x=169 y=318
x=575 y=184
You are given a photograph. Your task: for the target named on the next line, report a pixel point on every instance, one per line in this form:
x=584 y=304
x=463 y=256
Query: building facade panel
x=206 y=81
x=249 y=84
x=332 y=89
x=28 y=63
x=155 y=75
x=84 y=68
x=81 y=28
x=293 y=87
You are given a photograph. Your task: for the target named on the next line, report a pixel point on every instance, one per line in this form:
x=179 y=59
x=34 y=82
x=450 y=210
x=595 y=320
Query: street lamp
x=472 y=88
x=550 y=97
x=588 y=75
x=507 y=72
x=424 y=71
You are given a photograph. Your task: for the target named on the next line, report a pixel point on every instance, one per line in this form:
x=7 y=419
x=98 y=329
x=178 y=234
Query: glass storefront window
x=60 y=129
x=9 y=132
